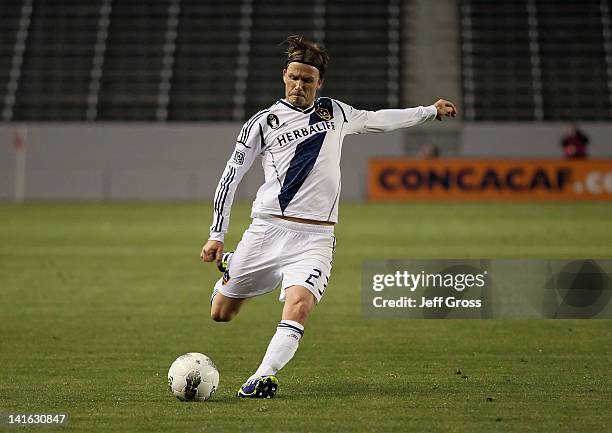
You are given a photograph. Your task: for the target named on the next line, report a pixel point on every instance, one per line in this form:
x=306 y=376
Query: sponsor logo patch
x=273 y=121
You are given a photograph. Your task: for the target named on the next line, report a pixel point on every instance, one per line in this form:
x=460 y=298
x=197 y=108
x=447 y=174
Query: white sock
x=212 y=297
x=281 y=349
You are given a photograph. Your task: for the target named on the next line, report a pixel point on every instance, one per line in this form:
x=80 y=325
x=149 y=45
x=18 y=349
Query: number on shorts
x=311 y=276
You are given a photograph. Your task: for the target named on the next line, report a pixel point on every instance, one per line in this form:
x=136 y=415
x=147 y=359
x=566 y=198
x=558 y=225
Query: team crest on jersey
x=238 y=157
x=273 y=121
x=323 y=113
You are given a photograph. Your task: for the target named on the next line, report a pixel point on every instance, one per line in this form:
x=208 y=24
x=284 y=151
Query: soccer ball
x=193 y=377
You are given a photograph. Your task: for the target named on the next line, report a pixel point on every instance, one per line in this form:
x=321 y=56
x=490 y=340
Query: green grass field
x=96 y=301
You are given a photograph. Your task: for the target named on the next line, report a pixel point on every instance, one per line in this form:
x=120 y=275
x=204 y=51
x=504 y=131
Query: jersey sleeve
x=248 y=146
x=361 y=121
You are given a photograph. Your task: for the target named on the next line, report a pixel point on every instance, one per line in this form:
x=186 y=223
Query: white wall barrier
x=128 y=161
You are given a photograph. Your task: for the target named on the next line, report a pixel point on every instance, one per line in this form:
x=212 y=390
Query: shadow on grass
x=347 y=389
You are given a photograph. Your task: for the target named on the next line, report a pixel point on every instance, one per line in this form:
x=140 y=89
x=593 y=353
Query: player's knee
x=219 y=315
x=304 y=307
x=224 y=309
x=299 y=309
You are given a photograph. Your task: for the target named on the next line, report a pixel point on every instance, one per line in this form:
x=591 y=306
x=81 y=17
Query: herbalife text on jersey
x=305 y=132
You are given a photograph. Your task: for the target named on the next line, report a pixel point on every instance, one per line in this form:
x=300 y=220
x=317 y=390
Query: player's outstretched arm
x=445 y=109
x=213 y=250
x=390 y=119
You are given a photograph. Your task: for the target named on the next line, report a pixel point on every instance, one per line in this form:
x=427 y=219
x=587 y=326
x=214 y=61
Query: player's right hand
x=213 y=250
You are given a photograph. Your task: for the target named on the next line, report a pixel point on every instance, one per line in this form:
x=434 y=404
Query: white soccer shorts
x=276 y=252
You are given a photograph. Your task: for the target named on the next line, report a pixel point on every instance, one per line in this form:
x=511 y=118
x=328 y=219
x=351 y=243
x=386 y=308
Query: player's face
x=301 y=84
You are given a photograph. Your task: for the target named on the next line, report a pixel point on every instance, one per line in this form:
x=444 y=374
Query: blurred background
x=143 y=99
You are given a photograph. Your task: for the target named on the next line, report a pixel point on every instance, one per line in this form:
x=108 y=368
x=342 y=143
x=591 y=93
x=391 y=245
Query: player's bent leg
x=224 y=308
x=250 y=271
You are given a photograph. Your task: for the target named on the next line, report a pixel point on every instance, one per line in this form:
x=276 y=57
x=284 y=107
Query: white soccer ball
x=193 y=377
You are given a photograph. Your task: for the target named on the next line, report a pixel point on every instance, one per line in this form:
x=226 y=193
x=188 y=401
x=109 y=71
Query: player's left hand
x=445 y=109
x=213 y=250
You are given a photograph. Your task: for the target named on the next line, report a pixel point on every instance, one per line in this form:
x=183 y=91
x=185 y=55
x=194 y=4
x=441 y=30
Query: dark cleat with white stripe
x=259 y=387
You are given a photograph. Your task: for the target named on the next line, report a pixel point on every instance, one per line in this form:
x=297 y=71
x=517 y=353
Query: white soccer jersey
x=300 y=153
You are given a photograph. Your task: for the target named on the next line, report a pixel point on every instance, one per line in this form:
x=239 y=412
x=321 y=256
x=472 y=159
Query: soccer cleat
x=259 y=387
x=225 y=259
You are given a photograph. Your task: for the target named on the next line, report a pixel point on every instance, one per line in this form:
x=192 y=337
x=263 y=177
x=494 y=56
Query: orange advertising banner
x=503 y=180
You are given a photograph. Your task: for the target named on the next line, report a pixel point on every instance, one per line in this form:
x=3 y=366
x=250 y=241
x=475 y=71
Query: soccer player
x=291 y=240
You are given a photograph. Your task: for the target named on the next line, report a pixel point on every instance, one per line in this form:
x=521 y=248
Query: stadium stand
x=133 y=60
x=10 y=14
x=131 y=74
x=54 y=76
x=535 y=60
x=496 y=60
x=204 y=60
x=574 y=78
